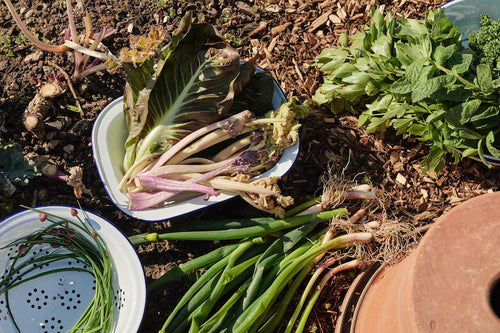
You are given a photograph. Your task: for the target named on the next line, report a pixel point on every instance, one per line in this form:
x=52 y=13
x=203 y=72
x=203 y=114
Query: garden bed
x=288 y=35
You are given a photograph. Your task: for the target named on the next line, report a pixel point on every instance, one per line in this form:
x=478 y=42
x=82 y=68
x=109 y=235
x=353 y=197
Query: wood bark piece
x=320 y=21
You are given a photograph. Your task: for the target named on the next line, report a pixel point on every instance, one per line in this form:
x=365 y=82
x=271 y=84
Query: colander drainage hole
x=495 y=297
x=52 y=324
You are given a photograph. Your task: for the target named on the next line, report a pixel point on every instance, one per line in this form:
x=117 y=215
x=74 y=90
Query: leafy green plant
x=415 y=76
x=14 y=168
x=486 y=42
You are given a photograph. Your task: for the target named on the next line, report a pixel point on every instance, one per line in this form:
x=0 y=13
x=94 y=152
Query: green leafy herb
x=486 y=42
x=416 y=76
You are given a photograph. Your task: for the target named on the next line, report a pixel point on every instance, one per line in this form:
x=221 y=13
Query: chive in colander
x=53 y=303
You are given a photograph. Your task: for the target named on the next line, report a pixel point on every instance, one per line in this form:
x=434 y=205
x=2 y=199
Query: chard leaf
x=425 y=89
x=193 y=84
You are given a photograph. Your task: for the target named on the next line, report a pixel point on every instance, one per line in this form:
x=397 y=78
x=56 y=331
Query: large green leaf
x=193 y=84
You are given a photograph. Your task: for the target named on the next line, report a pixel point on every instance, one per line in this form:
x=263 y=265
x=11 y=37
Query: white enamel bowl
x=108 y=137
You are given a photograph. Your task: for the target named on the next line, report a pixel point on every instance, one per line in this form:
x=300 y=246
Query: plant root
x=40 y=106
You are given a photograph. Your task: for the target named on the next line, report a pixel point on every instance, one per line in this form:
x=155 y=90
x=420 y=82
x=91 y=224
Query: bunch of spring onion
x=65 y=239
x=224 y=156
x=248 y=285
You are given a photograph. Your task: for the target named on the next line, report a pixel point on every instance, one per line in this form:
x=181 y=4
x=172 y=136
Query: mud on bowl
x=53 y=303
x=108 y=138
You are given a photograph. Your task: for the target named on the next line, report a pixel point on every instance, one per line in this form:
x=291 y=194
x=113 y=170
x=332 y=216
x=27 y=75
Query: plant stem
x=253 y=231
x=317 y=291
x=459 y=78
x=44 y=46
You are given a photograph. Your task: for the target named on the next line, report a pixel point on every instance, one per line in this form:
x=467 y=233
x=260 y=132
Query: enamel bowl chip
x=52 y=303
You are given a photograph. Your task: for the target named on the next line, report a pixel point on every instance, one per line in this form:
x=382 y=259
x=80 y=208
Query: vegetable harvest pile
x=415 y=76
x=178 y=139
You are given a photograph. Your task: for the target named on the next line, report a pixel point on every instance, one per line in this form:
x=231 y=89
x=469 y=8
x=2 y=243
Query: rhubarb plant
x=247 y=145
x=86 y=46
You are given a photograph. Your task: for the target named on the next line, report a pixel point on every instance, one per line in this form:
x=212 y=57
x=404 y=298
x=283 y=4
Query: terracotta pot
x=450 y=283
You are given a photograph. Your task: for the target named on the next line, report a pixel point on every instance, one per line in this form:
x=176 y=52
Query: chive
x=82 y=243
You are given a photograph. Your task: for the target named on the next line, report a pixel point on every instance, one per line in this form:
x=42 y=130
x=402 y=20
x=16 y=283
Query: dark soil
x=289 y=35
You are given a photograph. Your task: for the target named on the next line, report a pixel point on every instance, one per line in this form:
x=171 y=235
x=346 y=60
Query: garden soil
x=288 y=35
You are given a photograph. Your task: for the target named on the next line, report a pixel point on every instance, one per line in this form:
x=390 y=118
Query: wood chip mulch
x=288 y=35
